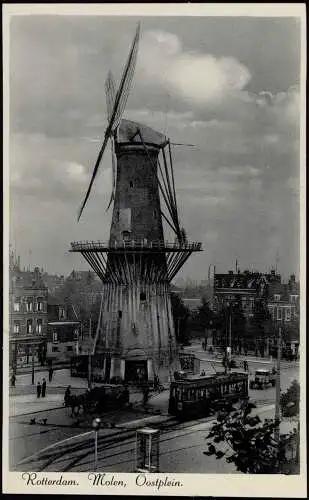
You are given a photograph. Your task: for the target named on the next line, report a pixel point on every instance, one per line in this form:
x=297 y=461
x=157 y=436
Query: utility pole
x=89 y=356
x=277 y=410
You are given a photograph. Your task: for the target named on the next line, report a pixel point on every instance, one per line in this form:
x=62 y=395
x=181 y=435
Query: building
x=63 y=333
x=281 y=299
x=243 y=287
x=28 y=315
x=284 y=307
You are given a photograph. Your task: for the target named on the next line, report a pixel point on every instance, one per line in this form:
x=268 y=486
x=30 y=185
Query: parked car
x=263 y=378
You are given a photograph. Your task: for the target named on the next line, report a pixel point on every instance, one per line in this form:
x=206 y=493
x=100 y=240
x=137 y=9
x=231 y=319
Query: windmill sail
x=118 y=109
x=110 y=91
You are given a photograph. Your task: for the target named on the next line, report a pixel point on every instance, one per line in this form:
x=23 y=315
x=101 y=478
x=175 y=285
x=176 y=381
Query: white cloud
x=192 y=75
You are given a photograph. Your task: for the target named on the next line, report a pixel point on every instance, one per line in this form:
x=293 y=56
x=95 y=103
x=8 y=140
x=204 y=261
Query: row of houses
x=41 y=329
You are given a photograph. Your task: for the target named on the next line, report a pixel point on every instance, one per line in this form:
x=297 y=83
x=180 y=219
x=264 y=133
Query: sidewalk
x=61 y=378
x=29 y=404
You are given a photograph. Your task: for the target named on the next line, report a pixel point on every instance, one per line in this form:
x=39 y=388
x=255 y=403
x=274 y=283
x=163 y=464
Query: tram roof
x=209 y=379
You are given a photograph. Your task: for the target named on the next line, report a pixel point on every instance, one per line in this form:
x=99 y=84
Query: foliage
x=247 y=441
x=289 y=400
x=80 y=294
x=205 y=315
x=180 y=315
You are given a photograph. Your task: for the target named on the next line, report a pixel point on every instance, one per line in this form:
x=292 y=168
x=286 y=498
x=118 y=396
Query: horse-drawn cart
x=99 y=399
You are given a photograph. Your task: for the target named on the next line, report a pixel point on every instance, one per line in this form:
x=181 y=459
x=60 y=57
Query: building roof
x=28 y=279
x=192 y=304
x=53 y=301
x=128 y=130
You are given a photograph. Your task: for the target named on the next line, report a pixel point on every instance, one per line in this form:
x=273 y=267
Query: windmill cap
x=128 y=133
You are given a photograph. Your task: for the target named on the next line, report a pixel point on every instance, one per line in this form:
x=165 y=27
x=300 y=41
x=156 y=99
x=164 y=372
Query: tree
x=205 y=314
x=180 y=315
x=247 y=442
x=289 y=400
x=261 y=317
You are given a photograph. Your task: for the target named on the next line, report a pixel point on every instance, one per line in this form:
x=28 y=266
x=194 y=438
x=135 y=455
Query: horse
x=75 y=403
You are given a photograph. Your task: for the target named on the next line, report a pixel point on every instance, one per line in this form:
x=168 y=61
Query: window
x=75 y=334
x=142 y=296
x=155 y=213
x=40 y=304
x=16 y=327
x=55 y=336
x=131 y=184
x=29 y=304
x=279 y=313
x=39 y=324
x=69 y=348
x=288 y=314
x=277 y=297
x=126 y=235
x=17 y=304
x=119 y=314
x=55 y=349
x=29 y=325
x=61 y=313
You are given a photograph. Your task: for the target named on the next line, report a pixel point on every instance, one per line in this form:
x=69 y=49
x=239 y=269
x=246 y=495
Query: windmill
x=136 y=335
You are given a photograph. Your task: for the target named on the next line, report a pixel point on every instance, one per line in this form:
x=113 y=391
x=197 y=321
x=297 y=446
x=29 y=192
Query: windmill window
x=126 y=235
x=142 y=297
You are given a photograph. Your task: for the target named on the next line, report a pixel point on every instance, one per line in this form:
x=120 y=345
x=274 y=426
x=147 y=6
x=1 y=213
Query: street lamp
x=96 y=424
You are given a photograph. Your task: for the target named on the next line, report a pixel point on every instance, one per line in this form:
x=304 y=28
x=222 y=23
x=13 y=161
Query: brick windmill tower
x=136 y=335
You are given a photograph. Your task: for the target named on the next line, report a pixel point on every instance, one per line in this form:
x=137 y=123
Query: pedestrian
x=50 y=374
x=38 y=389
x=67 y=395
x=245 y=365
x=145 y=394
x=43 y=388
x=13 y=380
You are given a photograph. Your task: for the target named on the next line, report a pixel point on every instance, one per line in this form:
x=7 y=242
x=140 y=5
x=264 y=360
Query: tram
x=197 y=396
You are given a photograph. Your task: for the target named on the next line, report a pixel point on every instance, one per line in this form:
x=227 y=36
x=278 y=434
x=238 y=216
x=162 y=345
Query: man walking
x=38 y=389
x=50 y=374
x=43 y=388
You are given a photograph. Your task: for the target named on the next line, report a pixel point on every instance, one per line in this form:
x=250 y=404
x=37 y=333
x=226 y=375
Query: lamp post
x=96 y=424
x=32 y=374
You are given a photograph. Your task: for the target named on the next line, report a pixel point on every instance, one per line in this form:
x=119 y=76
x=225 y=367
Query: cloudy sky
x=228 y=85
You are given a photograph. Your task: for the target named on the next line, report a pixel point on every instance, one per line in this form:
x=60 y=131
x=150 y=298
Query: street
x=181 y=445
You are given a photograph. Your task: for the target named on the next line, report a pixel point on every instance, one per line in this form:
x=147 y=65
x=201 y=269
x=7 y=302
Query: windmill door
x=136 y=371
